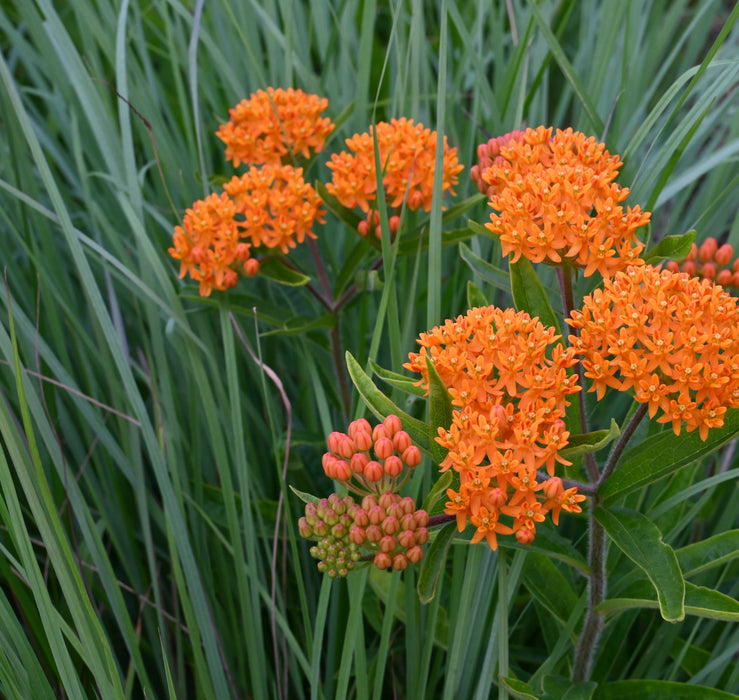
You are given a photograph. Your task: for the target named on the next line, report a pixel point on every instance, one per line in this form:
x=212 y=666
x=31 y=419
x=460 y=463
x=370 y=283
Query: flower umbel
x=407 y=156
x=269 y=207
x=554 y=198
x=508 y=375
x=672 y=338
x=274 y=125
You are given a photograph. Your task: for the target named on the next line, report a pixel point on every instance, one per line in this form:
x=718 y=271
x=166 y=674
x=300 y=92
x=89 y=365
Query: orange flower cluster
x=672 y=338
x=489 y=153
x=508 y=375
x=711 y=261
x=374 y=458
x=407 y=156
x=271 y=206
x=273 y=125
x=555 y=198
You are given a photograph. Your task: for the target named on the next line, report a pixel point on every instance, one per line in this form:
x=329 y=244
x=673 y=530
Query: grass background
x=148 y=544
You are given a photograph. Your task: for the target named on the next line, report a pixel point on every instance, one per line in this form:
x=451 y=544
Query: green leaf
x=658 y=690
x=464 y=206
x=475 y=297
x=549 y=543
x=547 y=584
x=529 y=294
x=674 y=247
x=433 y=562
x=713 y=551
x=557 y=688
x=305 y=496
x=641 y=541
x=664 y=454
x=272 y=268
x=301 y=324
x=590 y=442
x=399 y=381
x=380 y=582
x=440 y=410
x=438 y=490
x=412 y=245
x=518 y=689
x=493 y=275
x=382 y=406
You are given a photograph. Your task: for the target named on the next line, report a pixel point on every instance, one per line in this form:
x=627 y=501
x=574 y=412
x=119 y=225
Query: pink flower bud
x=390 y=525
x=383 y=560
x=407 y=539
x=412 y=456
x=497 y=497
x=393 y=466
x=408 y=504
x=525 y=535
x=359 y=462
x=401 y=441
x=251 y=267
x=342 y=470
x=383 y=448
x=392 y=425
x=357 y=535
x=304 y=528
x=414 y=554
x=553 y=488
x=368 y=502
x=421 y=517
x=378 y=431
x=394 y=223
x=346 y=447
x=422 y=535
x=374 y=534
x=387 y=499
x=724 y=255
x=400 y=562
x=361 y=518
x=334 y=439
x=363 y=228
x=724 y=278
x=408 y=522
x=672 y=266
x=320 y=528
x=707 y=249
x=373 y=471
x=708 y=271
x=376 y=515
x=689 y=267
x=363 y=440
x=388 y=543
x=361 y=425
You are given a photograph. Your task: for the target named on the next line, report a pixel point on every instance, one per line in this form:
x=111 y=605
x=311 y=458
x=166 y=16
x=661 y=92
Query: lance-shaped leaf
x=305 y=496
x=529 y=294
x=713 y=551
x=640 y=540
x=518 y=689
x=664 y=454
x=399 y=381
x=494 y=275
x=590 y=442
x=301 y=324
x=440 y=410
x=658 y=690
x=274 y=269
x=699 y=601
x=674 y=247
x=475 y=297
x=348 y=216
x=382 y=406
x=438 y=491
x=433 y=562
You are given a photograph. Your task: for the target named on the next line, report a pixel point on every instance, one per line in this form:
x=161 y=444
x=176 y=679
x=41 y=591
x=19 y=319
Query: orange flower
x=710 y=261
x=508 y=376
x=673 y=338
x=273 y=125
x=278 y=206
x=271 y=207
x=554 y=198
x=407 y=155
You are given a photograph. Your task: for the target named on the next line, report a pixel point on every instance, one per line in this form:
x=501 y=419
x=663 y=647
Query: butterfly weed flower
x=275 y=125
x=670 y=338
x=507 y=374
x=266 y=208
x=407 y=156
x=554 y=200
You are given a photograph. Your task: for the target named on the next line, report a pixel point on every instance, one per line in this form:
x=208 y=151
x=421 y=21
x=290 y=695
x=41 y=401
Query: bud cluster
x=489 y=153
x=374 y=458
x=392 y=529
x=710 y=261
x=330 y=522
x=372 y=223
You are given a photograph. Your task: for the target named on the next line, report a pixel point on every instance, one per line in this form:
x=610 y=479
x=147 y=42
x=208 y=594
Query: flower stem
x=618 y=449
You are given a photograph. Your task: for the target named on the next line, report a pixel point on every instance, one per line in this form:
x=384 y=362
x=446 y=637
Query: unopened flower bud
x=393 y=465
x=422 y=535
x=334 y=438
x=357 y=535
x=304 y=528
x=361 y=518
x=361 y=425
x=251 y=267
x=707 y=249
x=390 y=525
x=383 y=448
x=330 y=517
x=339 y=531
x=374 y=533
x=400 y=562
x=383 y=560
x=378 y=431
x=407 y=539
x=387 y=543
x=407 y=504
x=421 y=517
x=387 y=499
x=525 y=535
x=376 y=515
x=553 y=488
x=401 y=441
x=373 y=471
x=414 y=554
x=320 y=528
x=359 y=462
x=363 y=440
x=392 y=425
x=724 y=255
x=346 y=447
x=412 y=456
x=369 y=502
